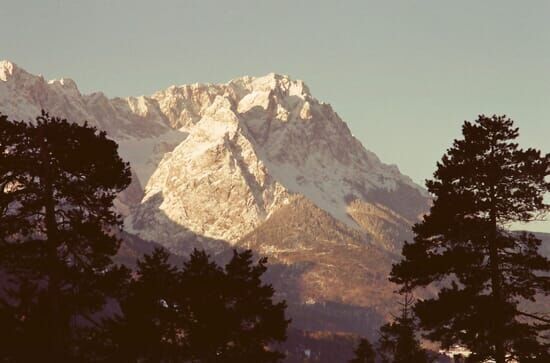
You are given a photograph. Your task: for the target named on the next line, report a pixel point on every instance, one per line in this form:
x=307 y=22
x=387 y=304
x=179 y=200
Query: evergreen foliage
x=483 y=183
x=58 y=181
x=200 y=313
x=148 y=328
x=398 y=342
x=232 y=317
x=364 y=353
x=63 y=300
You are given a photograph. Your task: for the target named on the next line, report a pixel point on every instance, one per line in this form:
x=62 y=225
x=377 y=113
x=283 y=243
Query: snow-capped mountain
x=219 y=159
x=222 y=165
x=252 y=143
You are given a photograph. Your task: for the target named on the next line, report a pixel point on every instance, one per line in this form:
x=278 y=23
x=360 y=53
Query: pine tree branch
x=533 y=316
x=91 y=321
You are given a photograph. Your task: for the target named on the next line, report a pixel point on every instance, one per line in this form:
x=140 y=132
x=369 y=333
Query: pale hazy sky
x=403 y=74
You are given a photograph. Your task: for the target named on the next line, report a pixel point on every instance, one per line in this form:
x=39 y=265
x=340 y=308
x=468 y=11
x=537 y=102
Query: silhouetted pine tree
x=230 y=314
x=398 y=342
x=202 y=298
x=257 y=320
x=458 y=358
x=58 y=181
x=364 y=353
x=149 y=327
x=482 y=184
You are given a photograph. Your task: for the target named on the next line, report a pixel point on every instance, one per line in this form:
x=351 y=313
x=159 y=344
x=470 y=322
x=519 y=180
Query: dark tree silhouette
x=205 y=317
x=458 y=358
x=201 y=313
x=364 y=353
x=398 y=342
x=230 y=313
x=58 y=181
x=482 y=184
x=257 y=320
x=149 y=326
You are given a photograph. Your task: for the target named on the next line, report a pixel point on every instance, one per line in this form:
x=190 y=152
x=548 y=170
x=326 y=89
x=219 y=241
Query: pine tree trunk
x=496 y=291
x=498 y=340
x=54 y=320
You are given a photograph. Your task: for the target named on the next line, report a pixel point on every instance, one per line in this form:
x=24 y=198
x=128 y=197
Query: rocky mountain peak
x=6 y=69
x=251 y=144
x=11 y=71
x=66 y=85
x=280 y=83
x=185 y=105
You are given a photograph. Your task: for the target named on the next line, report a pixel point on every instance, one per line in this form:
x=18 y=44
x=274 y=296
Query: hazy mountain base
x=333 y=277
x=335 y=294
x=333 y=262
x=542 y=303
